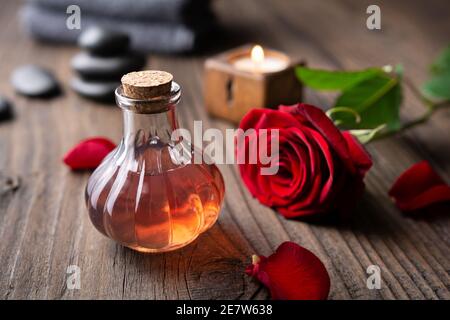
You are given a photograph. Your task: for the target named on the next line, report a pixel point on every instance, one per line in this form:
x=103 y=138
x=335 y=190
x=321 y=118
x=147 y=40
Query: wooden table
x=44 y=226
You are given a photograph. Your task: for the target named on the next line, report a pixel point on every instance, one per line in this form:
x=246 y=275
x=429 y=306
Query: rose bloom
x=321 y=169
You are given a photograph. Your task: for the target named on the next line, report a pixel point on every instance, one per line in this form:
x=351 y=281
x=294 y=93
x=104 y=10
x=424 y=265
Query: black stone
x=94 y=67
x=101 y=41
x=6 y=111
x=95 y=90
x=34 y=81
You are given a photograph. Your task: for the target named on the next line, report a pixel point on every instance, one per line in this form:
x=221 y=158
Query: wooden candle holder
x=230 y=93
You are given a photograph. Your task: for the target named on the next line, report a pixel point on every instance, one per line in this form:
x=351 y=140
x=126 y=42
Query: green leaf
x=437 y=88
x=399 y=70
x=442 y=64
x=366 y=135
x=333 y=80
x=377 y=100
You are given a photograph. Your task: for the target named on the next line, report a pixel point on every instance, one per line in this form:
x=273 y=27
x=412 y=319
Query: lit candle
x=248 y=77
x=258 y=62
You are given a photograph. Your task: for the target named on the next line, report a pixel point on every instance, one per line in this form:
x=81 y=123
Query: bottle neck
x=149 y=122
x=153 y=128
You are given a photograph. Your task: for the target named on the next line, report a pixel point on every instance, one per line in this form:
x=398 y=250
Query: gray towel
x=45 y=24
x=168 y=11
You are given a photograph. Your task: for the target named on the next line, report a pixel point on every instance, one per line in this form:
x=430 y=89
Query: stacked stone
x=31 y=81
x=6 y=109
x=103 y=61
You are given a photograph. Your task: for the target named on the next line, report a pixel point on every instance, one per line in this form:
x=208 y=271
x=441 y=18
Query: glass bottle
x=148 y=194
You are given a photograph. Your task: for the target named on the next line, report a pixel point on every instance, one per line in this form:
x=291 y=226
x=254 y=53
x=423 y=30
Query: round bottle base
x=160 y=250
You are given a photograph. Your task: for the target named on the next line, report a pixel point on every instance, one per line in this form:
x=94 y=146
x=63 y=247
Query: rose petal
x=352 y=186
x=319 y=120
x=292 y=273
x=358 y=154
x=88 y=154
x=267 y=118
x=419 y=187
x=286 y=184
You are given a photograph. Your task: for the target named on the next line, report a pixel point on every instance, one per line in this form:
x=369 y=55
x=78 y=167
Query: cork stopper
x=146 y=84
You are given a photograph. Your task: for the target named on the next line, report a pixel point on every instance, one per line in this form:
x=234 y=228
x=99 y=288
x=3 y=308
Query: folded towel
x=44 y=24
x=174 y=11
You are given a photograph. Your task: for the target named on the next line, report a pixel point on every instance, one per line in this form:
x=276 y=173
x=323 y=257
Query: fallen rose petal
x=419 y=187
x=88 y=154
x=291 y=273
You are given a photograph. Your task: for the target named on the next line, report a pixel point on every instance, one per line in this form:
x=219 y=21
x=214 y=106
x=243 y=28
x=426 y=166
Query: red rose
x=321 y=169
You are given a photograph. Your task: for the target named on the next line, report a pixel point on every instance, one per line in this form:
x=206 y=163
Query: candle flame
x=257 y=54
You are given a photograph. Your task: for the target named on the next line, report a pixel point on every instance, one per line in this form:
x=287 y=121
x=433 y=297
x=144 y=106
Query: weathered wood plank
x=44 y=226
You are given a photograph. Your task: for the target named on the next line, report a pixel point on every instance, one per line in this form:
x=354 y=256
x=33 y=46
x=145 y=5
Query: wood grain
x=44 y=226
